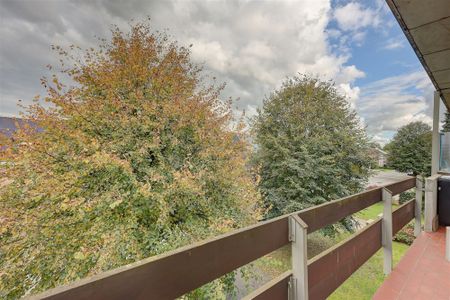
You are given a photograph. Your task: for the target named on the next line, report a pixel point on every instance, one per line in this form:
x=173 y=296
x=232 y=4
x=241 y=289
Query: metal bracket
x=292 y=288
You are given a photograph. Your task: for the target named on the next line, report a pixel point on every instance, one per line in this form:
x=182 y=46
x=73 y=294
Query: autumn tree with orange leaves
x=135 y=155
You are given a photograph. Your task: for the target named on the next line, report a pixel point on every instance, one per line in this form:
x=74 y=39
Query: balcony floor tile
x=423 y=273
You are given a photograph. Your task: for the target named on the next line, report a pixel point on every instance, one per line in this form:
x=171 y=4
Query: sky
x=251 y=45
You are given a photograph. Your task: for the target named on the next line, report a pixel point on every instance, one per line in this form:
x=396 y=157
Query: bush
x=406 y=196
x=406 y=234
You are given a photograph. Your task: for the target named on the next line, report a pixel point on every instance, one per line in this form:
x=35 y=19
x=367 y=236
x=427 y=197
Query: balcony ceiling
x=426 y=24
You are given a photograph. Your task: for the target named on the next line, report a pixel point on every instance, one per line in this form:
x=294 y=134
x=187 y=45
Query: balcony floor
x=423 y=273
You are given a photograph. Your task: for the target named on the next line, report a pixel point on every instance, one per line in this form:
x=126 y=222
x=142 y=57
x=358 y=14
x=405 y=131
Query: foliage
x=406 y=234
x=136 y=155
x=446 y=122
x=410 y=149
x=406 y=196
x=311 y=147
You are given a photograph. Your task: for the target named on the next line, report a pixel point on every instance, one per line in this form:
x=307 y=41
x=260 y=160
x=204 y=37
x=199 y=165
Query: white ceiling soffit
x=426 y=24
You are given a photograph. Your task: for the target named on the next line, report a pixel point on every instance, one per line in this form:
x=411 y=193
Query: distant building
x=379 y=156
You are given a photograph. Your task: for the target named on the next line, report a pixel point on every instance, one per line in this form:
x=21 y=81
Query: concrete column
x=435 y=142
x=431 y=219
x=298 y=234
x=386 y=228
x=418 y=207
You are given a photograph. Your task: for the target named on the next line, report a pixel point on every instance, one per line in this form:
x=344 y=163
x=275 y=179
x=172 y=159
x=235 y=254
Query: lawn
x=364 y=283
x=370 y=213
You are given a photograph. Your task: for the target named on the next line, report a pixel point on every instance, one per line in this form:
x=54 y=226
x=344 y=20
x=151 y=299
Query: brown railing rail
x=175 y=273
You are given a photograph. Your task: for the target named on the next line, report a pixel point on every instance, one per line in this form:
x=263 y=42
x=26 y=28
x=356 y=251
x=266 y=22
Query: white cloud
x=349 y=74
x=352 y=93
x=251 y=45
x=212 y=53
x=353 y=16
x=393 y=44
x=392 y=102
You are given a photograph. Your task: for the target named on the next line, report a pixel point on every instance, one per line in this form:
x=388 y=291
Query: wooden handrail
x=331 y=212
x=177 y=272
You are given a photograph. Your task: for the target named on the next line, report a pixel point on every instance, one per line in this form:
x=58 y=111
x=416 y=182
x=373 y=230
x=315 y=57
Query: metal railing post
x=386 y=230
x=298 y=285
x=418 y=207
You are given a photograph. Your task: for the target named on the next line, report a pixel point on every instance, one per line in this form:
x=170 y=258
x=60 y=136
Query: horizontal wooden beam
x=275 y=289
x=331 y=212
x=175 y=273
x=402 y=215
x=401 y=186
x=327 y=271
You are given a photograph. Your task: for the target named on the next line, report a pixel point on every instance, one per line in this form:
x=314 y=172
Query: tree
x=446 y=122
x=410 y=149
x=135 y=156
x=311 y=147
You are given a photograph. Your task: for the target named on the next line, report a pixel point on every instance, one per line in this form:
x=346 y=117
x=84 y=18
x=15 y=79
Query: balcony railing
x=178 y=272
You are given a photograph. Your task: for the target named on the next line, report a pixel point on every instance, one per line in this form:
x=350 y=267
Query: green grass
x=364 y=283
x=371 y=212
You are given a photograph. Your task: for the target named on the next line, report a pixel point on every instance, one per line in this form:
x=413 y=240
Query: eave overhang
x=426 y=24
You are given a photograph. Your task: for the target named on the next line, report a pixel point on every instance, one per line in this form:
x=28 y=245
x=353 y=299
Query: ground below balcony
x=423 y=273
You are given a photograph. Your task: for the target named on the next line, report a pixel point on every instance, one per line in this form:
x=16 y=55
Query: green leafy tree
x=311 y=147
x=136 y=156
x=410 y=149
x=446 y=122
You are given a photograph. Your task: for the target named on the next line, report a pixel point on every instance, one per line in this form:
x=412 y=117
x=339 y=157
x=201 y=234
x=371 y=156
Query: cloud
x=355 y=19
x=353 y=16
x=251 y=45
x=352 y=93
x=392 y=44
x=390 y=103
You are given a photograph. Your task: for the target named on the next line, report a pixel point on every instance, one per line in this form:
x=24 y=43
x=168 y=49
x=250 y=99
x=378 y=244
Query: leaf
x=115 y=204
x=79 y=255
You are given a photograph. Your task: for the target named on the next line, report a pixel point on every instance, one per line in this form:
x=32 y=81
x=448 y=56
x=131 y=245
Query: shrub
x=137 y=155
x=406 y=234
